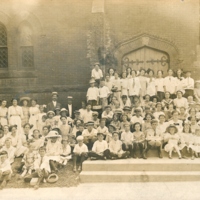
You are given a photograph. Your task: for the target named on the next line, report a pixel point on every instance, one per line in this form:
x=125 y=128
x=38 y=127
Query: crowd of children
x=137 y=112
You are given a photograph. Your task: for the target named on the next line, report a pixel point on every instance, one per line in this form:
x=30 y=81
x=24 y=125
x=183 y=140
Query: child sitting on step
x=172 y=139
x=5 y=169
x=65 y=152
x=115 y=147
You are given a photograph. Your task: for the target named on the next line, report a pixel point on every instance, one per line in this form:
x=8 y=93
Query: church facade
x=50 y=46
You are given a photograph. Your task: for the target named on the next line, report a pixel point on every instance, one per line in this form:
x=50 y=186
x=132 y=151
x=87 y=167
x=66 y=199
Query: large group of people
x=123 y=116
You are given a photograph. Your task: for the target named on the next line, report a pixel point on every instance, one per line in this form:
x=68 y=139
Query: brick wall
x=60 y=40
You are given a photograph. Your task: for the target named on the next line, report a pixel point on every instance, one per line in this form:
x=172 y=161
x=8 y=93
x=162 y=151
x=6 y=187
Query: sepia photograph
x=100 y=99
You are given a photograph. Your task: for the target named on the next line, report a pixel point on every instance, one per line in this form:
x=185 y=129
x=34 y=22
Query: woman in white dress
x=179 y=78
x=15 y=114
x=34 y=111
x=151 y=86
x=143 y=82
x=3 y=113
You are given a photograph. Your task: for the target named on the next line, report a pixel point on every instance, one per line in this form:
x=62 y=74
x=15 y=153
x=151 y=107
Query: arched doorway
x=147 y=51
x=146 y=58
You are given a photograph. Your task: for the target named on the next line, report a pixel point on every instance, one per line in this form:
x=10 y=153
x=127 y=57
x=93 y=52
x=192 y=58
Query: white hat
x=53 y=134
x=80 y=137
x=92 y=81
x=70 y=97
x=63 y=110
x=54 y=93
x=50 y=112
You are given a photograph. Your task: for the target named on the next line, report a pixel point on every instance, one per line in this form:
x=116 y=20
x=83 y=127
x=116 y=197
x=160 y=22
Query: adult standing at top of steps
x=154 y=138
x=54 y=103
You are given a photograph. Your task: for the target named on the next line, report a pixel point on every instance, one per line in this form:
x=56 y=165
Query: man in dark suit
x=70 y=107
x=54 y=103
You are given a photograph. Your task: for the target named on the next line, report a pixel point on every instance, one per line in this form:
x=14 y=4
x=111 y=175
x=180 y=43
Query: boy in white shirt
x=102 y=128
x=188 y=85
x=92 y=94
x=127 y=139
x=89 y=135
x=97 y=73
x=100 y=149
x=5 y=169
x=80 y=153
x=170 y=84
x=104 y=93
x=87 y=115
x=115 y=147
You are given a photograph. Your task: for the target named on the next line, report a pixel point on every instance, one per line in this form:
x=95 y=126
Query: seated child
x=186 y=140
x=158 y=111
x=80 y=129
x=5 y=169
x=95 y=119
x=53 y=150
x=182 y=114
x=137 y=117
x=127 y=139
x=80 y=153
x=9 y=149
x=37 y=141
x=196 y=142
x=162 y=125
x=89 y=135
x=107 y=114
x=65 y=152
x=197 y=91
x=42 y=168
x=50 y=119
x=111 y=129
x=102 y=128
x=27 y=163
x=138 y=140
x=154 y=138
x=100 y=148
x=115 y=147
x=65 y=128
x=168 y=112
x=115 y=121
x=172 y=139
x=2 y=139
x=147 y=122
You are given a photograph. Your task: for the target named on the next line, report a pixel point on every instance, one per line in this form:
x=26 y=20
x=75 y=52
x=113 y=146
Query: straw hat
x=25 y=99
x=172 y=126
x=53 y=134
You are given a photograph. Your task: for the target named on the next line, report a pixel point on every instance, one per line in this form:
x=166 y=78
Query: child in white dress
x=172 y=139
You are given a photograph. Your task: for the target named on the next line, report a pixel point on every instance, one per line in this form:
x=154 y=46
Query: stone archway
x=149 y=42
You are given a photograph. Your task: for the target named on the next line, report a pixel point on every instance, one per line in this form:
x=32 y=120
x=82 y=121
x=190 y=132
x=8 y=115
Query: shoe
x=134 y=157
x=104 y=158
x=3 y=184
x=170 y=157
x=79 y=168
x=36 y=187
x=160 y=155
x=180 y=157
x=185 y=157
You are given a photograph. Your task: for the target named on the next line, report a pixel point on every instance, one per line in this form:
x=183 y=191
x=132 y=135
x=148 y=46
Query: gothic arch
x=147 y=40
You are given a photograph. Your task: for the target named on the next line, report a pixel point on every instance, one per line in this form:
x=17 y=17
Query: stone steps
x=152 y=169
x=138 y=176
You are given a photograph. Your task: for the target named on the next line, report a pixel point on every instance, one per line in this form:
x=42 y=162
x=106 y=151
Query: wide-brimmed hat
x=95 y=113
x=79 y=138
x=107 y=107
x=25 y=99
x=77 y=112
x=90 y=123
x=96 y=63
x=52 y=178
x=182 y=91
x=51 y=111
x=172 y=126
x=52 y=134
x=63 y=110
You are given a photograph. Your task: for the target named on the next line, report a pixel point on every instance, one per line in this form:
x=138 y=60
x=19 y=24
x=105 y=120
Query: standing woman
x=160 y=85
x=25 y=109
x=15 y=114
x=143 y=82
x=128 y=73
x=3 y=113
x=179 y=78
x=151 y=87
x=111 y=72
x=34 y=111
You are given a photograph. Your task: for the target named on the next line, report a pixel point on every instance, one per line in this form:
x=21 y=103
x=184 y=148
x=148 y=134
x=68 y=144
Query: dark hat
x=114 y=127
x=99 y=133
x=108 y=106
x=90 y=123
x=50 y=112
x=117 y=112
x=154 y=121
x=124 y=96
x=127 y=108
